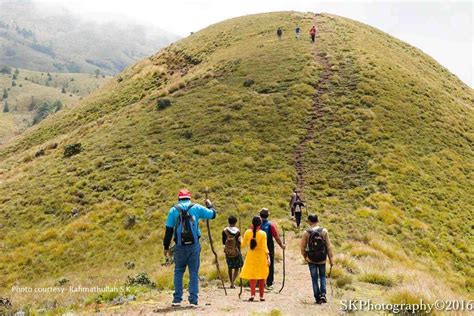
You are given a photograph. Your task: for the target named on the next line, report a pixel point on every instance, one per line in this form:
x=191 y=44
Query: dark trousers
x=271 y=271
x=318 y=273
x=298 y=218
x=313 y=37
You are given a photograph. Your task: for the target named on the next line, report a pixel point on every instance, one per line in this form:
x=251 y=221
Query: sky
x=442 y=29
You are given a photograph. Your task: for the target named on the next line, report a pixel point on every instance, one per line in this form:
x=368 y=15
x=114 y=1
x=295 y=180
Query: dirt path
x=321 y=88
x=295 y=299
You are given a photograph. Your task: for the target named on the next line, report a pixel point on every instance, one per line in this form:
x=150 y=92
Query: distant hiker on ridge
x=257 y=259
x=312 y=33
x=279 y=33
x=182 y=225
x=272 y=232
x=297 y=32
x=315 y=248
x=231 y=240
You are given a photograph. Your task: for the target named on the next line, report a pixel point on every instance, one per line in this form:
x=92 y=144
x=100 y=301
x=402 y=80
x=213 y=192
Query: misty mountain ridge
x=48 y=38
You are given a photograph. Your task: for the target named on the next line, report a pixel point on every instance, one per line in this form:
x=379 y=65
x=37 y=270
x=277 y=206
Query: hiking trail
x=295 y=299
x=318 y=112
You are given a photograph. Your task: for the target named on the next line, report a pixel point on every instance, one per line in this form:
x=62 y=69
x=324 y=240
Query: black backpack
x=316 y=249
x=185 y=221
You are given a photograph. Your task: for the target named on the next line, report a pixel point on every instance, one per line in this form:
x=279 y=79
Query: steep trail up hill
x=389 y=166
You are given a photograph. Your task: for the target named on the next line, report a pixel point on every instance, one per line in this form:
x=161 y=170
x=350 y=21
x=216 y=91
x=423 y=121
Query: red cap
x=184 y=194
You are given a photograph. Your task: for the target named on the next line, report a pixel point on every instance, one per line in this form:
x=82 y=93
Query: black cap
x=264 y=212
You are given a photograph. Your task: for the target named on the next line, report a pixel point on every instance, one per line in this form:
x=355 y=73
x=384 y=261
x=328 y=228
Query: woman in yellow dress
x=256 y=263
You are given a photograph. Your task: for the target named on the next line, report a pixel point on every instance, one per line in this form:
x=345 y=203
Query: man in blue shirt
x=182 y=225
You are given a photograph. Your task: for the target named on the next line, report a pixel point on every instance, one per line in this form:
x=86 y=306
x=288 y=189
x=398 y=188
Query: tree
x=5 y=93
x=13 y=83
x=6 y=109
x=63 y=90
x=97 y=73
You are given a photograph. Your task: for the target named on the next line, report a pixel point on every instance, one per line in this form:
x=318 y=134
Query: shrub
x=248 y=82
x=343 y=280
x=377 y=278
x=72 y=149
x=141 y=278
x=163 y=104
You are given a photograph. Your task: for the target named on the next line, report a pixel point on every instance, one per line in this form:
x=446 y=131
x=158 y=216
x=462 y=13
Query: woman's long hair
x=256 y=222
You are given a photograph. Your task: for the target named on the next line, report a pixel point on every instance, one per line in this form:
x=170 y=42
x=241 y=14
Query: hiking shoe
x=176 y=304
x=318 y=302
x=251 y=299
x=323 y=299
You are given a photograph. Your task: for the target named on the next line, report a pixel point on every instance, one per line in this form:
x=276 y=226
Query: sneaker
x=318 y=302
x=269 y=287
x=262 y=299
x=251 y=299
x=194 y=304
x=176 y=304
x=323 y=299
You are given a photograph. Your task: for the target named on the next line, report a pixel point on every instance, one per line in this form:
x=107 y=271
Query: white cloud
x=442 y=29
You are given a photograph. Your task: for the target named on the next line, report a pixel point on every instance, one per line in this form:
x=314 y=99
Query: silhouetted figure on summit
x=279 y=33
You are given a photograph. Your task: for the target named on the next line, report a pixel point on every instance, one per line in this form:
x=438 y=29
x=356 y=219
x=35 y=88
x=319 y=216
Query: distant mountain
x=27 y=97
x=44 y=38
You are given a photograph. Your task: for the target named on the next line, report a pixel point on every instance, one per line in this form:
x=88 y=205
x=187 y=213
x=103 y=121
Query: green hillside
x=27 y=92
x=377 y=134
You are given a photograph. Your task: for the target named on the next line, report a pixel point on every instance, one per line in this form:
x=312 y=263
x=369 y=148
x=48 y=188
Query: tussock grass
x=388 y=171
x=377 y=278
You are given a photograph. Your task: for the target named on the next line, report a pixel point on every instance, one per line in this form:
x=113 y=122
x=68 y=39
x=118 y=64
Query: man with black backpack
x=182 y=225
x=315 y=248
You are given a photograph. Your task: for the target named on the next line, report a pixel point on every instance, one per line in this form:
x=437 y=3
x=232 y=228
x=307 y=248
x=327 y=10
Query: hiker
x=279 y=33
x=297 y=32
x=315 y=248
x=231 y=240
x=312 y=33
x=182 y=225
x=295 y=197
x=272 y=232
x=298 y=212
x=257 y=260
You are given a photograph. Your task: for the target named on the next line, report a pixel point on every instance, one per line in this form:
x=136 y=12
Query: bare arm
x=329 y=248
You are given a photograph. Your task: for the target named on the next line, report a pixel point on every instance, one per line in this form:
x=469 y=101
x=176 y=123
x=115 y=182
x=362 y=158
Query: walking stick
x=240 y=228
x=214 y=251
x=329 y=277
x=284 y=272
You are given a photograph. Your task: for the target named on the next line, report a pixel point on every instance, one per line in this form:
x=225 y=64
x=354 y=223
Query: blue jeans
x=186 y=256
x=318 y=272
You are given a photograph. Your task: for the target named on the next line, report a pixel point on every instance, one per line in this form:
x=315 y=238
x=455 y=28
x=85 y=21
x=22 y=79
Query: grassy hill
x=377 y=134
x=28 y=91
x=47 y=37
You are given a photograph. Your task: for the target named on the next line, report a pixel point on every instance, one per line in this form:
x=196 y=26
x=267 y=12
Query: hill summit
x=377 y=135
